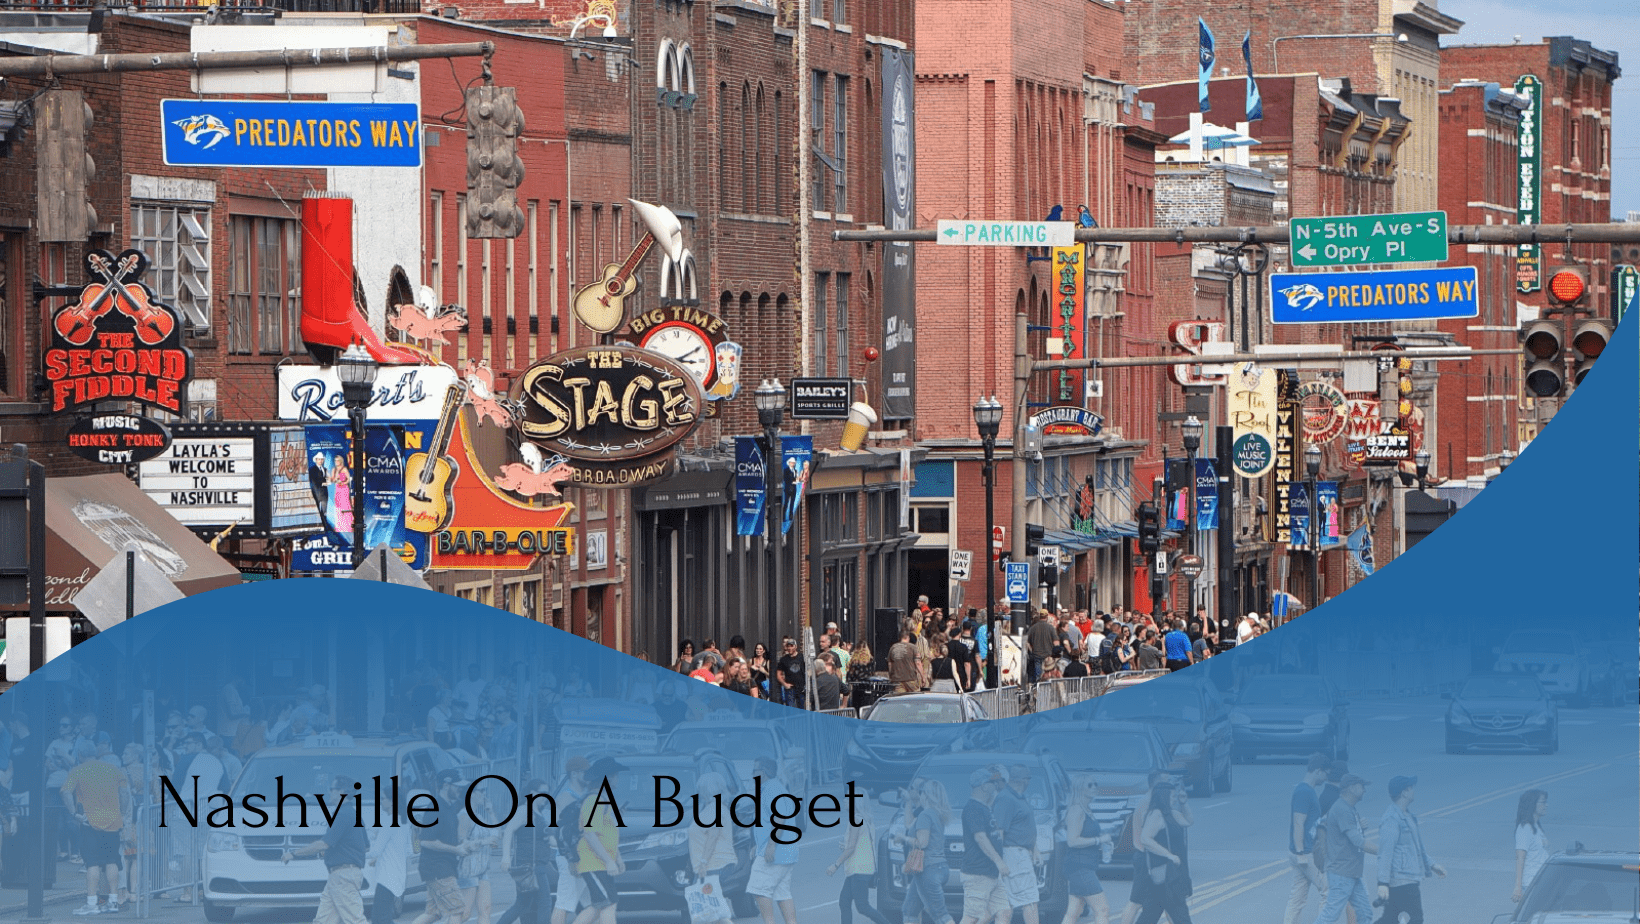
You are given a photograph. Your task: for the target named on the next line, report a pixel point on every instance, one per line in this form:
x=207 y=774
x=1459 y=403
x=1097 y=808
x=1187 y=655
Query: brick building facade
x=1575 y=161
x=1477 y=399
x=1025 y=127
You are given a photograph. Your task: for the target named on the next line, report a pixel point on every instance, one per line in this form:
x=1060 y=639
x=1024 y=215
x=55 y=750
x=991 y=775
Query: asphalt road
x=1238 y=852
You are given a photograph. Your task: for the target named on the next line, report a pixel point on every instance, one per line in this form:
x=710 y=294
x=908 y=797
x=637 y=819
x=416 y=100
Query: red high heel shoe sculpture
x=332 y=298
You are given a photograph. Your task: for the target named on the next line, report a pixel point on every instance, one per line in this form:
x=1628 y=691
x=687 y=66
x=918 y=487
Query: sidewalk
x=68 y=891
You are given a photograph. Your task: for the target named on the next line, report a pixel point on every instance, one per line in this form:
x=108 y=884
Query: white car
x=742 y=741
x=1551 y=657
x=242 y=866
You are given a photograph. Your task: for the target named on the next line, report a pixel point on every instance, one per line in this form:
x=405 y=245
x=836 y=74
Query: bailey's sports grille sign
x=116 y=342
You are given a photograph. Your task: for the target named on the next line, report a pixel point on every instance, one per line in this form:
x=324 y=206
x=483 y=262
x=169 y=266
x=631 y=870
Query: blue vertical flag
x=1207 y=64
x=1207 y=494
x=796 y=454
x=1327 y=513
x=750 y=495
x=1298 y=509
x=1255 y=103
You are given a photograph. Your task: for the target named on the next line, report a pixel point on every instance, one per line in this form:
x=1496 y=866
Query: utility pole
x=1022 y=378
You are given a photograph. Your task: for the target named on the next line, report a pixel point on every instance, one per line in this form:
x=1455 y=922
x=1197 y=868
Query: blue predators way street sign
x=1381 y=295
x=1019 y=582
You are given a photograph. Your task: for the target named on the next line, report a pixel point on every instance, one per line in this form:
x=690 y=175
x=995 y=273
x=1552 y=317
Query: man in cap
x=441 y=853
x=984 y=897
x=344 y=846
x=98 y=789
x=1402 y=860
x=1347 y=845
x=600 y=849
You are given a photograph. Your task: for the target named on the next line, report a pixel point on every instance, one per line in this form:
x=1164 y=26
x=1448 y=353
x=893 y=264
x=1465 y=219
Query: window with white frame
x=177 y=241
x=679 y=284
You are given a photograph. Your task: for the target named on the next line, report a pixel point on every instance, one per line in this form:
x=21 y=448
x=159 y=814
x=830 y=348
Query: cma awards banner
x=750 y=496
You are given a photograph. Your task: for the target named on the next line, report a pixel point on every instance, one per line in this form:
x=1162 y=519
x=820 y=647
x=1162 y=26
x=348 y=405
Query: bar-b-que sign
x=615 y=412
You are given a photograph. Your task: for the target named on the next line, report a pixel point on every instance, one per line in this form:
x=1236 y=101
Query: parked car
x=1586 y=886
x=1121 y=756
x=242 y=866
x=1502 y=710
x=745 y=740
x=1047 y=795
x=901 y=730
x=1289 y=714
x=1551 y=657
x=1192 y=719
x=657 y=863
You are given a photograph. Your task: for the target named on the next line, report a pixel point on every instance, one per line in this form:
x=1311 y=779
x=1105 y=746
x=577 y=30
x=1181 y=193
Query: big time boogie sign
x=116 y=342
x=615 y=412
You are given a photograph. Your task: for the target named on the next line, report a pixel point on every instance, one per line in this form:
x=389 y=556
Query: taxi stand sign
x=1381 y=295
x=1018 y=582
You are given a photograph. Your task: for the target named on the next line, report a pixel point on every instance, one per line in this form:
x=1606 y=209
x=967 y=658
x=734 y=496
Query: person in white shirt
x=1531 y=844
x=1093 y=641
x=470 y=693
x=1247 y=628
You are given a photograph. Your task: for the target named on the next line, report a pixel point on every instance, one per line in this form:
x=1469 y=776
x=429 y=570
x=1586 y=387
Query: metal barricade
x=166 y=859
x=847 y=712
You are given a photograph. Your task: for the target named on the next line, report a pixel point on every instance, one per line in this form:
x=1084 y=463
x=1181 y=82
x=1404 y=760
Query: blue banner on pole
x=1381 y=295
x=276 y=133
x=330 y=478
x=750 y=495
x=1360 y=545
x=796 y=455
x=1298 y=509
x=1207 y=59
x=1255 y=103
x=1207 y=494
x=1327 y=513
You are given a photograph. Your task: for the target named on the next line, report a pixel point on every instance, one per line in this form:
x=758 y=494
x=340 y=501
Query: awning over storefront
x=1073 y=541
x=90 y=519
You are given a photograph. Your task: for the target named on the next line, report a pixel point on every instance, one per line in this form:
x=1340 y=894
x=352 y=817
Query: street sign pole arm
x=1271 y=358
x=42 y=65
x=1613 y=232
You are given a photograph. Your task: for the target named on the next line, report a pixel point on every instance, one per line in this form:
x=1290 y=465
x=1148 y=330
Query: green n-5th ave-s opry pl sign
x=1348 y=240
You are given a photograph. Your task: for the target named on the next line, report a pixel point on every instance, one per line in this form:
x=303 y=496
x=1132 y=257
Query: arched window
x=748 y=198
x=759 y=143
x=723 y=148
x=686 y=75
x=666 y=69
x=778 y=146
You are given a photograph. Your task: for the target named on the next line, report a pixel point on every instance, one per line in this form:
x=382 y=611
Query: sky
x=1610 y=25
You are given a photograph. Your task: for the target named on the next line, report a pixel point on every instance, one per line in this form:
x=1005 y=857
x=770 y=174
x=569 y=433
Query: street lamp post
x=1421 y=459
x=356 y=369
x=1192 y=429
x=988 y=418
x=1312 y=467
x=770 y=398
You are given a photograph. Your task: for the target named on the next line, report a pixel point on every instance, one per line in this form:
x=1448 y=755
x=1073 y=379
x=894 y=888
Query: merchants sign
x=614 y=412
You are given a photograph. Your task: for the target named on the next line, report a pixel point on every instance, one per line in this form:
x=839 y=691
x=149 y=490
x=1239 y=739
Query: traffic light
x=1543 y=346
x=1150 y=528
x=1567 y=287
x=1033 y=535
x=494 y=169
x=64 y=167
x=1588 y=342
